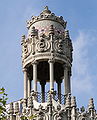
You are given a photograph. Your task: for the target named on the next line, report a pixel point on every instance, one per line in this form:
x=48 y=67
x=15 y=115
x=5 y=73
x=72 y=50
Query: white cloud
x=82 y=77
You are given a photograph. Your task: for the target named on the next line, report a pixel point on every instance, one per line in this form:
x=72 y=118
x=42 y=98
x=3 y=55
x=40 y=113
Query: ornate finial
x=50 y=97
x=51 y=30
x=24 y=105
x=30 y=103
x=68 y=100
x=11 y=108
x=73 y=102
x=33 y=31
x=16 y=107
x=23 y=39
x=24 y=102
x=82 y=109
x=46 y=10
x=67 y=34
x=91 y=104
x=23 y=36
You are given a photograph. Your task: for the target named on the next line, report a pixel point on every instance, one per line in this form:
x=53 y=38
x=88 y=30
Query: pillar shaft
x=35 y=76
x=51 y=68
x=67 y=80
x=29 y=87
x=25 y=83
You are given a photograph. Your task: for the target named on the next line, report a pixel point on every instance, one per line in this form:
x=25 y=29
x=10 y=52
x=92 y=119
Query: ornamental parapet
x=67 y=108
x=43 y=48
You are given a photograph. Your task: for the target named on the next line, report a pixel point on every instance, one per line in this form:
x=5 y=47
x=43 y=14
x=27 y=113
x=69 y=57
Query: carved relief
x=29 y=47
x=58 y=46
x=42 y=45
x=26 y=49
x=59 y=114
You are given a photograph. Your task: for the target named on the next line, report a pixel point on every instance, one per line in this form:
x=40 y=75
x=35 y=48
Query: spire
x=67 y=34
x=51 y=30
x=91 y=104
x=68 y=100
x=11 y=108
x=16 y=107
x=91 y=109
x=73 y=101
x=46 y=10
x=33 y=31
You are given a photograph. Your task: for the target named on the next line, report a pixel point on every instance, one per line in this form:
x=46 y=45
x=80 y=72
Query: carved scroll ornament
x=42 y=45
x=59 y=46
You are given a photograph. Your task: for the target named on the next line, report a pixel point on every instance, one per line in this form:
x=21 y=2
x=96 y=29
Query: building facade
x=47 y=61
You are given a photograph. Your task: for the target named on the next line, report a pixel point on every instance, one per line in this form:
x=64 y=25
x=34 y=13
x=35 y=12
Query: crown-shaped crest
x=46 y=14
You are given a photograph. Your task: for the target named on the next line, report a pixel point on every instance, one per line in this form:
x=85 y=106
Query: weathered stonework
x=47 y=58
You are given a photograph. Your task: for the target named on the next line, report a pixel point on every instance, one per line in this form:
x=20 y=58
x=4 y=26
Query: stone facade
x=47 y=58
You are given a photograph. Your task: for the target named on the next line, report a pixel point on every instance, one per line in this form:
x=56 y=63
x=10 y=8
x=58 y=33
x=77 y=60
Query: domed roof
x=46 y=14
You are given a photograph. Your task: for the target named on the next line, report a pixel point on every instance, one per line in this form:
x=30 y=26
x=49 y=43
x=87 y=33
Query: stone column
x=29 y=87
x=34 y=76
x=59 y=91
x=66 y=80
x=25 y=83
x=69 y=82
x=51 y=70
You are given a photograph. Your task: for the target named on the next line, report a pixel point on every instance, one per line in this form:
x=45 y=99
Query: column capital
x=51 y=60
x=24 y=69
x=34 y=62
x=65 y=66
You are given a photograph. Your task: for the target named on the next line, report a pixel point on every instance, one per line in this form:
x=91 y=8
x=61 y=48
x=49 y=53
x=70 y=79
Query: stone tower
x=46 y=54
x=47 y=59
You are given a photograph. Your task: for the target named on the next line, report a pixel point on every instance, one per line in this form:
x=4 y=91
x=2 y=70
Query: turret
x=46 y=55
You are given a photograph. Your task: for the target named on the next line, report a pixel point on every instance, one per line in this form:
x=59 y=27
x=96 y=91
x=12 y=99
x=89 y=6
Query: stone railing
x=43 y=98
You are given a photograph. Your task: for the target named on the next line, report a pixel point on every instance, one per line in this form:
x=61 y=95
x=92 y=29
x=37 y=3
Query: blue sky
x=81 y=16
